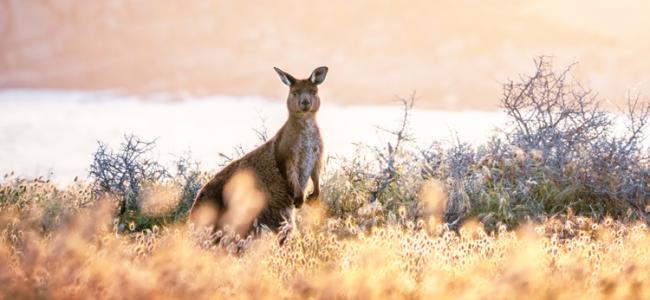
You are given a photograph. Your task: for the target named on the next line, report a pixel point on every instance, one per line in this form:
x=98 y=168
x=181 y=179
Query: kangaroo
x=279 y=169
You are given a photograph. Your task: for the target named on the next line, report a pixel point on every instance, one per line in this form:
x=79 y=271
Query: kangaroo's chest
x=306 y=153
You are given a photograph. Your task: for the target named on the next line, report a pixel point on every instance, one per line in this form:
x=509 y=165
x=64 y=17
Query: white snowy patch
x=55 y=132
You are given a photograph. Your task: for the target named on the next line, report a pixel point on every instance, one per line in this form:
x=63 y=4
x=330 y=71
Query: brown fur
x=282 y=166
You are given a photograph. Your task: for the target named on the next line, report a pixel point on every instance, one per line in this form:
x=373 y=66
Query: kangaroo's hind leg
x=208 y=206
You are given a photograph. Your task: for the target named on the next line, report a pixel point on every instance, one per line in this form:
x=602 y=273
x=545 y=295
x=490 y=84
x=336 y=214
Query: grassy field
x=556 y=206
x=55 y=245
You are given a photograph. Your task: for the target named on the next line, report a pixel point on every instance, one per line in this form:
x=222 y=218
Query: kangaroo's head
x=303 y=93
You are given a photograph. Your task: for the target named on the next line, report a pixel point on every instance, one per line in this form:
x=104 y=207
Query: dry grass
x=83 y=254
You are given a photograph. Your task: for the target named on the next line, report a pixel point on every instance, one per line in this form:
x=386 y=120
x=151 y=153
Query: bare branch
x=122 y=173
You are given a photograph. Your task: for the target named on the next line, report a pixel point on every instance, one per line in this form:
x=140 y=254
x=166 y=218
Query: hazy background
x=454 y=54
x=75 y=72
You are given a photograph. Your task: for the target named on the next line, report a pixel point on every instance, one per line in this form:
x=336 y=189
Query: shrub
x=148 y=192
x=189 y=179
x=122 y=173
x=561 y=150
x=377 y=184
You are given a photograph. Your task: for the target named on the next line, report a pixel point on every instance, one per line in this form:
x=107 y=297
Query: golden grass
x=85 y=257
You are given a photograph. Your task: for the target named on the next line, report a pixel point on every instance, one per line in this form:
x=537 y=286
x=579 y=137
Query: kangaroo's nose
x=304 y=102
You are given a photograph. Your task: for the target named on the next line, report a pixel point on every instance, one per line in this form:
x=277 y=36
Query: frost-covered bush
x=561 y=150
x=121 y=173
x=188 y=178
x=377 y=184
x=561 y=125
x=145 y=189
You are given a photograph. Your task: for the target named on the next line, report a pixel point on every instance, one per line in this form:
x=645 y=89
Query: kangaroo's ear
x=318 y=76
x=285 y=77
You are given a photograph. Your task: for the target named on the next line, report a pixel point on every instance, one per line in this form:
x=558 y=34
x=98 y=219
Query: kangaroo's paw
x=313 y=197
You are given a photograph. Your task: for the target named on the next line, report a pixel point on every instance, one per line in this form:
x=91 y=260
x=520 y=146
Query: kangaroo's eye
x=294 y=93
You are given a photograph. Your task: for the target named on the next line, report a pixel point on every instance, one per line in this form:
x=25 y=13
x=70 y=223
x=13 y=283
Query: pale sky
x=454 y=54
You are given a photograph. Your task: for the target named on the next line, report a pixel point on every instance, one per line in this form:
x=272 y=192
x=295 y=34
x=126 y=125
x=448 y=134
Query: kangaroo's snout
x=305 y=104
